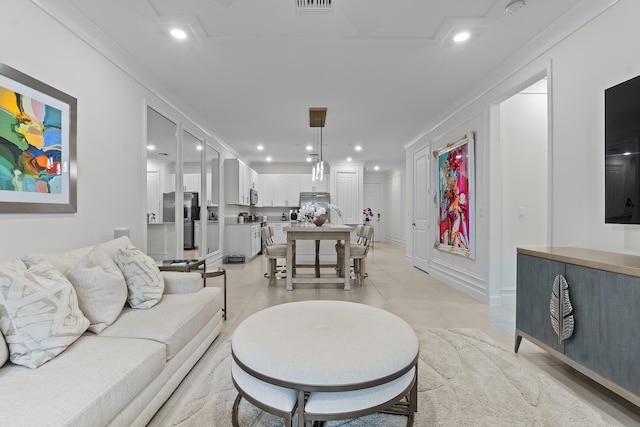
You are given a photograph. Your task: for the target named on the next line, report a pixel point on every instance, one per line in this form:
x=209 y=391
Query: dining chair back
x=272 y=251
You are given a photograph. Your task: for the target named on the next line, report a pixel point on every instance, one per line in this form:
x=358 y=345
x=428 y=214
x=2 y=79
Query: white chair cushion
x=278 y=250
x=144 y=281
x=39 y=313
x=280 y=398
x=357 y=400
x=100 y=286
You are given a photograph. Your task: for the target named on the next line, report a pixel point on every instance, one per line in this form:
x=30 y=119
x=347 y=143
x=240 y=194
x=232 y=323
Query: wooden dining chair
x=358 y=252
x=272 y=251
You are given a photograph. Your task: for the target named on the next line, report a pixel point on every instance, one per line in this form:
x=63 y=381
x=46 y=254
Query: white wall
x=111 y=130
x=599 y=55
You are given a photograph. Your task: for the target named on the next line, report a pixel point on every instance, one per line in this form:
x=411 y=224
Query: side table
x=184 y=265
x=216 y=272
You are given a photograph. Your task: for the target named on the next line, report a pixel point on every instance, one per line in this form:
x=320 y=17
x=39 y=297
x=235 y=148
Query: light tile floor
x=415 y=296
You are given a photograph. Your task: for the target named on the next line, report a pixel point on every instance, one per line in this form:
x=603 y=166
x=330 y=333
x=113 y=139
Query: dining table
x=310 y=231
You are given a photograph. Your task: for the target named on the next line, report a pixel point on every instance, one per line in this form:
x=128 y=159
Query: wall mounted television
x=622 y=153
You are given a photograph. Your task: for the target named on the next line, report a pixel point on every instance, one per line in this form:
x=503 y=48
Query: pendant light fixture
x=317 y=117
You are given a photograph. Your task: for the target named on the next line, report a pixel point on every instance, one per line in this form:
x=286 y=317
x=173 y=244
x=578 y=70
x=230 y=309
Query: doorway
x=519 y=186
x=371 y=199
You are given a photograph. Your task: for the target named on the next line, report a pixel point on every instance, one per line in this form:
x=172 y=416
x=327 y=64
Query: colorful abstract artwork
x=455 y=198
x=37 y=145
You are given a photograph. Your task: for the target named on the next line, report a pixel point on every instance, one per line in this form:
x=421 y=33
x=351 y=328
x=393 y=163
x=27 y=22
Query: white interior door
x=422 y=207
x=371 y=199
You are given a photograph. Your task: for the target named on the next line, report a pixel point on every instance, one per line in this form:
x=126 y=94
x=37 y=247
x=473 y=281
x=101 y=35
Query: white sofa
x=123 y=375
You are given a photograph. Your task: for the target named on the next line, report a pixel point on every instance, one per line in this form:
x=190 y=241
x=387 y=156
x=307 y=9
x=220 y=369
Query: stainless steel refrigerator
x=319 y=199
x=190 y=213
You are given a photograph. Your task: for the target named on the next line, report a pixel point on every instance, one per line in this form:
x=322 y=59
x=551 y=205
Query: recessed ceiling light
x=309 y=148
x=377 y=168
x=199 y=147
x=348 y=159
x=268 y=159
x=260 y=147
x=514 y=6
x=151 y=147
x=461 y=37
x=178 y=33
x=358 y=148
x=309 y=159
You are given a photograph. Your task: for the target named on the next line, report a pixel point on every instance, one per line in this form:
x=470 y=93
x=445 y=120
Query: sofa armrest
x=176 y=282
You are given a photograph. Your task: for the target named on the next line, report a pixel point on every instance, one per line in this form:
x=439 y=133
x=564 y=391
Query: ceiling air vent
x=314 y=6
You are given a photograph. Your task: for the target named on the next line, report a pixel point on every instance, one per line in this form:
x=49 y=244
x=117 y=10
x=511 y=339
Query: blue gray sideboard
x=604 y=292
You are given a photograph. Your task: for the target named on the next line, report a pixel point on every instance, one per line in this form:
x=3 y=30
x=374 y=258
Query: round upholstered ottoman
x=325 y=347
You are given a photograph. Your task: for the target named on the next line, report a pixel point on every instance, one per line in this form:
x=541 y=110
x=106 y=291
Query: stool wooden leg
x=272 y=270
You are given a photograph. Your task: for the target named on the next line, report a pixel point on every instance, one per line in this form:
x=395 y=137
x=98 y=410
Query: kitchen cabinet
x=191 y=182
x=256 y=239
x=308 y=185
x=238 y=180
x=161 y=241
x=213 y=239
x=242 y=239
x=280 y=190
x=604 y=290
x=265 y=191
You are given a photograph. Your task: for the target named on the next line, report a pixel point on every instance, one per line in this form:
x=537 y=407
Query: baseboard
x=396 y=241
x=471 y=285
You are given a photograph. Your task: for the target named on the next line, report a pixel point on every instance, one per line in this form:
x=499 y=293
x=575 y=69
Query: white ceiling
x=386 y=71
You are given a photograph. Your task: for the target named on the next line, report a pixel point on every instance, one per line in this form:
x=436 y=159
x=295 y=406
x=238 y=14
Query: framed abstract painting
x=455 y=197
x=38 y=171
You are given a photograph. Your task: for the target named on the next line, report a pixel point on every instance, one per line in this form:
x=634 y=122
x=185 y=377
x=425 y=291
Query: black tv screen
x=622 y=151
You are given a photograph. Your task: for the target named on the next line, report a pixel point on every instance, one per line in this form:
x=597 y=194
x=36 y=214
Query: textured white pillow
x=39 y=313
x=4 y=351
x=144 y=281
x=100 y=287
x=113 y=246
x=63 y=261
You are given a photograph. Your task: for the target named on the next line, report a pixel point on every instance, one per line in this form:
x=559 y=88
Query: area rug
x=464 y=379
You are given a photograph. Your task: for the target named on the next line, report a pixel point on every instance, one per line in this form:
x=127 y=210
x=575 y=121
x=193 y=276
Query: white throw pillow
x=4 y=351
x=113 y=246
x=144 y=281
x=100 y=287
x=63 y=261
x=39 y=313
